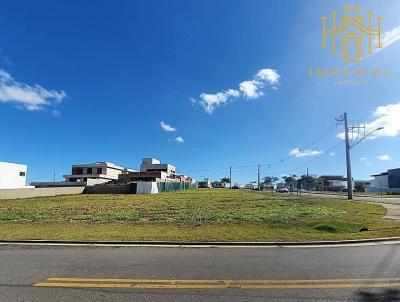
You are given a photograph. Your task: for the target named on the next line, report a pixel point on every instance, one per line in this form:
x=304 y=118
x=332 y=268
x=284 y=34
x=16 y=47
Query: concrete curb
x=197 y=244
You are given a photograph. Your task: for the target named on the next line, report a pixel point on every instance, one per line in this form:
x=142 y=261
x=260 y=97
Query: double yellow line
x=219 y=284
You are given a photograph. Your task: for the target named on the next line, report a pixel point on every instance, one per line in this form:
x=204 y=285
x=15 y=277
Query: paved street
x=357 y=273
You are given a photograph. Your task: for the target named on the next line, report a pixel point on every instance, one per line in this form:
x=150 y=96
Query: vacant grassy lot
x=384 y=195
x=209 y=214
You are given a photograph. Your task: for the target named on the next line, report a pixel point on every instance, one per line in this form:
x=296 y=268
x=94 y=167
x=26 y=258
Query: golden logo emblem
x=351 y=33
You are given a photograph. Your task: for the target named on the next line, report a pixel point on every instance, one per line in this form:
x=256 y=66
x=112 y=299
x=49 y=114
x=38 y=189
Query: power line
x=315 y=158
x=324 y=135
x=261 y=168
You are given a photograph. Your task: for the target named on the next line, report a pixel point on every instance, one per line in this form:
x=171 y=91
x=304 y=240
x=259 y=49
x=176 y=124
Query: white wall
x=10 y=177
x=112 y=173
x=35 y=192
x=337 y=183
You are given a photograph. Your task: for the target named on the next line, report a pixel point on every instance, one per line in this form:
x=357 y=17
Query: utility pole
x=230 y=177
x=348 y=160
x=307 y=181
x=350 y=143
x=258 y=177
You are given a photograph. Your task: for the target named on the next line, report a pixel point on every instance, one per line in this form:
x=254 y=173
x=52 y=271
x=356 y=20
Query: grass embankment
x=206 y=215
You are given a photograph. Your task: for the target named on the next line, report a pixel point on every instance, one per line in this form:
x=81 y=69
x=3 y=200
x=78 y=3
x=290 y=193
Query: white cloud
x=56 y=113
x=250 y=89
x=385 y=116
x=388 y=38
x=391 y=36
x=210 y=101
x=332 y=154
x=193 y=101
x=384 y=157
x=31 y=98
x=365 y=160
x=269 y=75
x=167 y=127
x=302 y=153
x=179 y=139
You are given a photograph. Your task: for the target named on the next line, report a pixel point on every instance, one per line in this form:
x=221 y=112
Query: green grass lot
x=384 y=195
x=204 y=215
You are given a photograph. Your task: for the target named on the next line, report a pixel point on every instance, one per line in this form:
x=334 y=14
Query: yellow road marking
x=117 y=280
x=133 y=280
x=130 y=285
x=219 y=284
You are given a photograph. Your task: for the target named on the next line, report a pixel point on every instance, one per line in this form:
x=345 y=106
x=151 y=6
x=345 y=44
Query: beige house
x=102 y=171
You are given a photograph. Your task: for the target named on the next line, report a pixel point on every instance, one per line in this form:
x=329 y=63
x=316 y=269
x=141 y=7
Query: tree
x=224 y=181
x=319 y=184
x=360 y=187
x=268 y=181
x=290 y=180
x=307 y=182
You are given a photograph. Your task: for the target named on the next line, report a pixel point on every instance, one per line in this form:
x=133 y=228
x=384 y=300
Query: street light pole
x=349 y=146
x=348 y=160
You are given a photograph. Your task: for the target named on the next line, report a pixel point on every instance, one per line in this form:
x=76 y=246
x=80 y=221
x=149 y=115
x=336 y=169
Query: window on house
x=99 y=170
x=21 y=173
x=77 y=171
x=89 y=171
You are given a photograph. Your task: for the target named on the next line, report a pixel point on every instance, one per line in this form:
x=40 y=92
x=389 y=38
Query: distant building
x=394 y=178
x=156 y=176
x=103 y=171
x=251 y=185
x=87 y=175
x=153 y=165
x=205 y=183
x=217 y=184
x=152 y=170
x=334 y=182
x=12 y=176
x=388 y=179
x=108 y=178
x=380 y=180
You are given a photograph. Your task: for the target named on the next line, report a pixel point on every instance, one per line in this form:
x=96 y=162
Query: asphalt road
x=211 y=274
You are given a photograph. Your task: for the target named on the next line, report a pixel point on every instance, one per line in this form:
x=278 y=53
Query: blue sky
x=109 y=72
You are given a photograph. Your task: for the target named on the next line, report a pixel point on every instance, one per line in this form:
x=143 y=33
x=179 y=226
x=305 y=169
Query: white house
x=102 y=171
x=205 y=183
x=154 y=165
x=335 y=182
x=12 y=176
